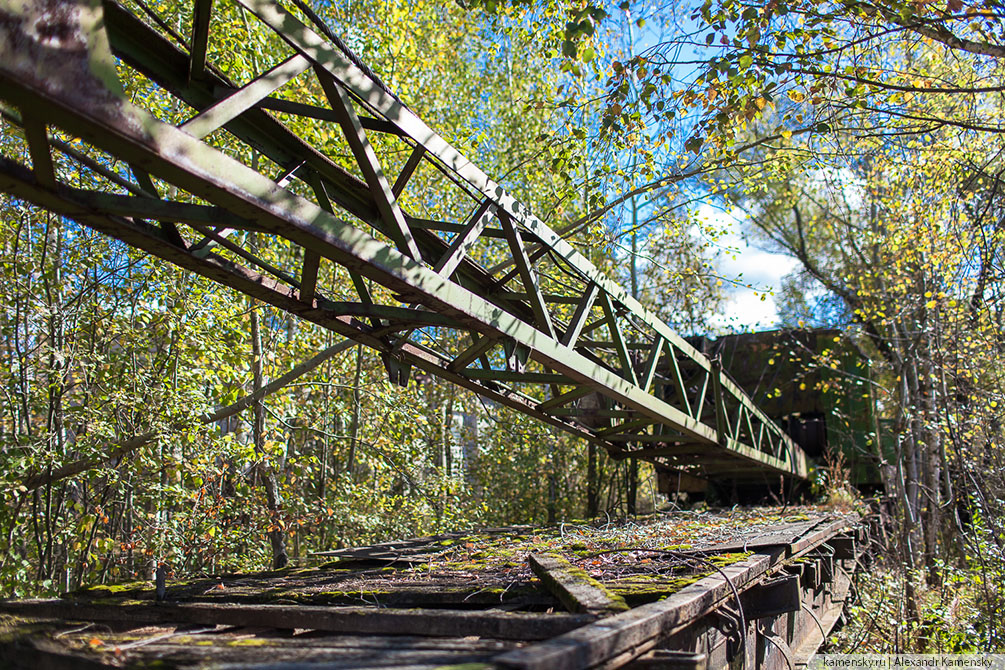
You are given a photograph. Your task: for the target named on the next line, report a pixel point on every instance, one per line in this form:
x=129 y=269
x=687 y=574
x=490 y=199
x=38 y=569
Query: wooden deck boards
x=440 y=601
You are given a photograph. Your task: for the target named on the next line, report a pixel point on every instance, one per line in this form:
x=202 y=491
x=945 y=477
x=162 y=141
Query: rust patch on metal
x=50 y=45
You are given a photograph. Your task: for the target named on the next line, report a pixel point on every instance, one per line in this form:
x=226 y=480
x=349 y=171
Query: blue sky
x=745 y=310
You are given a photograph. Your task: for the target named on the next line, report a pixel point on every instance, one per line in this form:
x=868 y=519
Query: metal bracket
x=844 y=547
x=780 y=644
x=729 y=624
x=816 y=619
x=772 y=597
x=665 y=659
x=398 y=369
x=517 y=354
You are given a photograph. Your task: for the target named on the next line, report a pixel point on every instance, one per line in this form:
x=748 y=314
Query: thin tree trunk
x=632 y=486
x=277 y=534
x=592 y=482
x=127 y=446
x=350 y=461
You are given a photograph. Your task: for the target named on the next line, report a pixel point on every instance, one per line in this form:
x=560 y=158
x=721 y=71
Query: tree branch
x=82 y=465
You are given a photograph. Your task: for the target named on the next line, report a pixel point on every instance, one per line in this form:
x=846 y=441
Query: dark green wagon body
x=816 y=384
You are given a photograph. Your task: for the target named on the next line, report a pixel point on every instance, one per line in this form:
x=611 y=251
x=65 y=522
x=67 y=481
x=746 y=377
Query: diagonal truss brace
x=61 y=84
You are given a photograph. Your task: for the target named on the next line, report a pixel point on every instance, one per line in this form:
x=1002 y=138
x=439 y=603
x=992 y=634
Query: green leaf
x=694 y=144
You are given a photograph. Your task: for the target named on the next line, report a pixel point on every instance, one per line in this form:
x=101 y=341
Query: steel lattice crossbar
x=479 y=292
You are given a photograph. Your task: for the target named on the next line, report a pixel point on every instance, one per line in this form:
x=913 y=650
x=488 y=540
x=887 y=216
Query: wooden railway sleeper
x=667 y=659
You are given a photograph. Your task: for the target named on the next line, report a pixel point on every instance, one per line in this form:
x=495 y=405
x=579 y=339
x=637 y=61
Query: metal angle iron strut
x=483 y=294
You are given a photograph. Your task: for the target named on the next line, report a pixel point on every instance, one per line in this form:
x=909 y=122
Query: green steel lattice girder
x=57 y=70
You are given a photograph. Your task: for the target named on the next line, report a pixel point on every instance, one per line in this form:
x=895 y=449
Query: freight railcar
x=815 y=383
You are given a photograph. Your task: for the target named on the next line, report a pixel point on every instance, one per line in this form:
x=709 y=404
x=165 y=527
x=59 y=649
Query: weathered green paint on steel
x=32 y=78
x=313 y=46
x=229 y=108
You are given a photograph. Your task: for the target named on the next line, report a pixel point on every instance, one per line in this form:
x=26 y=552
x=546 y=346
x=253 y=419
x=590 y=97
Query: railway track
x=747 y=587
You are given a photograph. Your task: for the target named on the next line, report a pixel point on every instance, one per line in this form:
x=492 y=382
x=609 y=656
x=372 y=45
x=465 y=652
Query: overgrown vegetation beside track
x=137 y=421
x=148 y=416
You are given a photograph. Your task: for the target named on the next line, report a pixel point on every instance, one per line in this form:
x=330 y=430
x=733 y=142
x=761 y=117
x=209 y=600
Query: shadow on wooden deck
x=683 y=590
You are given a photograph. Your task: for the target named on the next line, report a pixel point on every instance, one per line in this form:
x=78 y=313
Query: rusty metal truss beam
x=484 y=295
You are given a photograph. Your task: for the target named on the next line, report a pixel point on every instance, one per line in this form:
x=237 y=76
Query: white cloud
x=748 y=265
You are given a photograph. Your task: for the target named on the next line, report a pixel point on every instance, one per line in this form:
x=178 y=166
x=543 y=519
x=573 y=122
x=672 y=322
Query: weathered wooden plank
x=275 y=653
x=445 y=592
x=819 y=534
x=31 y=646
x=574 y=587
x=634 y=632
x=425 y=541
x=35 y=653
x=797 y=538
x=403 y=558
x=358 y=620
x=771 y=536
x=309 y=640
